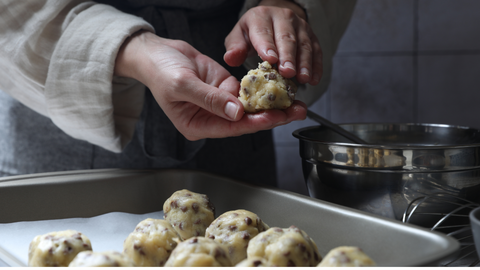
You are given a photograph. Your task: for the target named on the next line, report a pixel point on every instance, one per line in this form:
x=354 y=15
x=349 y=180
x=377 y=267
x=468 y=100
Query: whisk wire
x=460 y=229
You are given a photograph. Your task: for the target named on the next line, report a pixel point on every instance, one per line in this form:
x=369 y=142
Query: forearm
x=27 y=46
x=60 y=60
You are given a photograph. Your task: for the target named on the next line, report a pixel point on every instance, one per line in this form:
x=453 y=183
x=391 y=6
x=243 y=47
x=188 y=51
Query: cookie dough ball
x=199 y=251
x=234 y=229
x=101 y=259
x=189 y=213
x=57 y=248
x=264 y=88
x=285 y=247
x=151 y=243
x=253 y=262
x=346 y=257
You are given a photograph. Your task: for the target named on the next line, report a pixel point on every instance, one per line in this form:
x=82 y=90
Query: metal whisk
x=451 y=219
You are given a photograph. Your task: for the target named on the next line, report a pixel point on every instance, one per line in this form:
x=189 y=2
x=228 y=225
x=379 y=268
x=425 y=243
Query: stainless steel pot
x=403 y=162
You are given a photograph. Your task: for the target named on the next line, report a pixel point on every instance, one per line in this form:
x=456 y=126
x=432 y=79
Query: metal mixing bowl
x=402 y=162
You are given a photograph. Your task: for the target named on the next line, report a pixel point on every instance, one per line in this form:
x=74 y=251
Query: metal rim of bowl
x=367 y=151
x=297 y=135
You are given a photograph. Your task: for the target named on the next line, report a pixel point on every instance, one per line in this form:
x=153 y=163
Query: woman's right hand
x=197 y=94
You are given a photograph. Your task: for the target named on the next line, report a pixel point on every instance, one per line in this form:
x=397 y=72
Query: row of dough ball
x=243 y=237
x=190 y=236
x=73 y=249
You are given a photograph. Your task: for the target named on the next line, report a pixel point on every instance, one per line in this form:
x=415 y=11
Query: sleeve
x=58 y=57
x=329 y=20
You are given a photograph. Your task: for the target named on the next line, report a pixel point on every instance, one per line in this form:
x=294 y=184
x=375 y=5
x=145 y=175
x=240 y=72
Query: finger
x=269 y=119
x=212 y=88
x=221 y=101
x=215 y=127
x=304 y=55
x=210 y=71
x=297 y=111
x=260 y=32
x=237 y=45
x=206 y=125
x=286 y=41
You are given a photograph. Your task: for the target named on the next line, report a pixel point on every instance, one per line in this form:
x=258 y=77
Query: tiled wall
x=399 y=61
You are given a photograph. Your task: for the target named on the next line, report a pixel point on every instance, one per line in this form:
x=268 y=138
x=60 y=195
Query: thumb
x=221 y=101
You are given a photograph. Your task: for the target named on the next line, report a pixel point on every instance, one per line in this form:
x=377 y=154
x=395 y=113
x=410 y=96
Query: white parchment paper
x=106 y=232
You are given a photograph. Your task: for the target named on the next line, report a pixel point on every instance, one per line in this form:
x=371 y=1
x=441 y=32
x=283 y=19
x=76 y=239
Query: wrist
x=129 y=55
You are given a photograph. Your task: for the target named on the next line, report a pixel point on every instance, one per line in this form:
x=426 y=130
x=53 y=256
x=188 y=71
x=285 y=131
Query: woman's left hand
x=278 y=32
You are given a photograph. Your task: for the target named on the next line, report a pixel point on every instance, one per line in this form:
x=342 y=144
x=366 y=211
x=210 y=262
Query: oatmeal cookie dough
x=253 y=262
x=284 y=247
x=101 y=259
x=57 y=248
x=199 y=252
x=189 y=213
x=346 y=256
x=151 y=243
x=234 y=229
x=264 y=88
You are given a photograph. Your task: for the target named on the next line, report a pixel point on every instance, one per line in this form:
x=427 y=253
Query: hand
x=197 y=94
x=278 y=32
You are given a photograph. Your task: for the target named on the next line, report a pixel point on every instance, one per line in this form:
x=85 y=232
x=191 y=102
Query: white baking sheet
x=106 y=232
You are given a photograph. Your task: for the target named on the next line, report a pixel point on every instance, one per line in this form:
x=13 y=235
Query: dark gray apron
x=156 y=144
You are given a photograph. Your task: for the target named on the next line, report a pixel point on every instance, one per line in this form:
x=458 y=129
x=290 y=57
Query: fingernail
x=231 y=110
x=289 y=65
x=316 y=78
x=272 y=53
x=304 y=71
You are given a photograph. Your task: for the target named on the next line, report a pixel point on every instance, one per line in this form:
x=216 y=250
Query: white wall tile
x=372 y=89
x=449 y=89
x=449 y=25
x=380 y=26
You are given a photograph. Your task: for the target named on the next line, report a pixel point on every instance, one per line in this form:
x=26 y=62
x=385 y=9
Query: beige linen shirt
x=57 y=57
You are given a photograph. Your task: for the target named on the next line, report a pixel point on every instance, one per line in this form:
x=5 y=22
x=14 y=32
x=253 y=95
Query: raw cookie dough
x=57 y=248
x=253 y=262
x=189 y=213
x=285 y=247
x=151 y=243
x=264 y=88
x=346 y=257
x=199 y=251
x=234 y=229
x=101 y=259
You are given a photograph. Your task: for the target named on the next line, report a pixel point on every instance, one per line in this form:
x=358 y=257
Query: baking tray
x=90 y=193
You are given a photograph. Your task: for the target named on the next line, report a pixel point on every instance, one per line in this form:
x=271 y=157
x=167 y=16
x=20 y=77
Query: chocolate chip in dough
x=174 y=204
x=193 y=241
x=195 y=207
